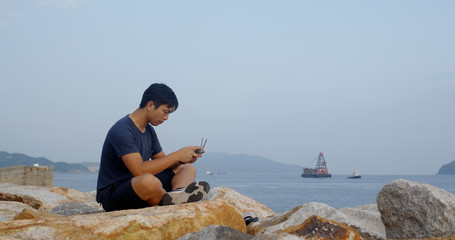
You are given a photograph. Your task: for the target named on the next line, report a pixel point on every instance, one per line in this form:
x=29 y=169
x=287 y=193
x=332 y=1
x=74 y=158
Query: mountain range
x=14 y=159
x=221 y=163
x=243 y=164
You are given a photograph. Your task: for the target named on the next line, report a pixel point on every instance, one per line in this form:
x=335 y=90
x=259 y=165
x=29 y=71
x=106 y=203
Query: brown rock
x=33 y=214
x=316 y=227
x=167 y=222
x=70 y=194
x=9 y=209
x=241 y=202
x=31 y=201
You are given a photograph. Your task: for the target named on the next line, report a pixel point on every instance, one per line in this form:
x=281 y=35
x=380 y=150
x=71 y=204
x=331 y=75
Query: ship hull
x=316 y=175
x=355 y=177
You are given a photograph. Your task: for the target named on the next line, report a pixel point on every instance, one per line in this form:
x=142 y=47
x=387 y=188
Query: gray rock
x=416 y=210
x=216 y=232
x=73 y=208
x=278 y=236
x=366 y=219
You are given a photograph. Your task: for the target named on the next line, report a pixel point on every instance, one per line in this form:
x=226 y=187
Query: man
x=134 y=170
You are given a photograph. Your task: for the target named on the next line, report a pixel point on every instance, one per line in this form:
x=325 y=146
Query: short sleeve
x=122 y=141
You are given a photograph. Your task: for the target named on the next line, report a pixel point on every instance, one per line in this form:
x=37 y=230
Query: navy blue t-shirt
x=123 y=138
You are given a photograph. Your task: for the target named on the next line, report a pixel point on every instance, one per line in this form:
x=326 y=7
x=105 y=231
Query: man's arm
x=161 y=161
x=162 y=155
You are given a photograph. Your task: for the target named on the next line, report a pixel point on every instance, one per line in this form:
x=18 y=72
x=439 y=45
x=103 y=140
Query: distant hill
x=14 y=159
x=218 y=163
x=243 y=164
x=448 y=169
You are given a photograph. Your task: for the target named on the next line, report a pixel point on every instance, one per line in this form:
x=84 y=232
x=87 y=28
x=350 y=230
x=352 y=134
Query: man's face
x=159 y=115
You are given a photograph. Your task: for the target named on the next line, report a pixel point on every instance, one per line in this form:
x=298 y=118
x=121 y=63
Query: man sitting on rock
x=134 y=171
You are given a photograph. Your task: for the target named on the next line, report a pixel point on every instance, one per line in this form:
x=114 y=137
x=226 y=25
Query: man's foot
x=193 y=193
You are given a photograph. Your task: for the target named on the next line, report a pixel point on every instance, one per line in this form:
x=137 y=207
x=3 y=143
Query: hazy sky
x=371 y=84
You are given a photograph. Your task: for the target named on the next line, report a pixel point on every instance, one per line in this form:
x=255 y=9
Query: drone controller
x=200 y=151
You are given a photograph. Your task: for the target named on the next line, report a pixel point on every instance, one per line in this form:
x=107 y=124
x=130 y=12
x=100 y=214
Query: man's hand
x=187 y=154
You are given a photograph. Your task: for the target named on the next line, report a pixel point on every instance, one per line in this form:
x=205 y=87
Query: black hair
x=160 y=94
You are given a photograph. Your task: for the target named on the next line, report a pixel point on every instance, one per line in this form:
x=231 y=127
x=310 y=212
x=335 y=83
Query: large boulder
x=416 y=210
x=364 y=219
x=166 y=222
x=242 y=203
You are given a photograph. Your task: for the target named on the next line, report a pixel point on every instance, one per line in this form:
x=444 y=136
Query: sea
x=282 y=193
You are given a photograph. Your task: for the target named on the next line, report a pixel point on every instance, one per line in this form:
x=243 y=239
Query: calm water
x=283 y=192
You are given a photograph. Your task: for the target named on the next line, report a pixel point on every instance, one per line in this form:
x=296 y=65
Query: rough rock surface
x=33 y=214
x=292 y=218
x=216 y=232
x=416 y=210
x=59 y=200
x=73 y=208
x=277 y=236
x=316 y=227
x=9 y=209
x=167 y=222
x=37 y=197
x=241 y=202
x=370 y=228
x=13 y=197
x=366 y=219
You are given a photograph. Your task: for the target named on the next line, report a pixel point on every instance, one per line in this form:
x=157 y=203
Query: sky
x=368 y=83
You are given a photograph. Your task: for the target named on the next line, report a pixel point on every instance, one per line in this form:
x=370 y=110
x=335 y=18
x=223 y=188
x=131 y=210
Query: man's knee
x=187 y=168
x=146 y=183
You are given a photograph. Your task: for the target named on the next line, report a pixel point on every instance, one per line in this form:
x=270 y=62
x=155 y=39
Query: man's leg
x=184 y=175
x=148 y=188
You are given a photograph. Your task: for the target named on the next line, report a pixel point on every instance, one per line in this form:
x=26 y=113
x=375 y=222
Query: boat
x=208 y=172
x=319 y=172
x=355 y=175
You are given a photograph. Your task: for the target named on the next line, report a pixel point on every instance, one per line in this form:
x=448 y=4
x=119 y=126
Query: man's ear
x=150 y=105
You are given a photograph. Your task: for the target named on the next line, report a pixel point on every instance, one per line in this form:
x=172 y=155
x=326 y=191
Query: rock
x=277 y=236
x=33 y=214
x=45 y=197
x=216 y=232
x=12 y=197
x=292 y=218
x=34 y=196
x=416 y=210
x=241 y=202
x=69 y=193
x=73 y=208
x=165 y=222
x=8 y=210
x=364 y=219
x=316 y=227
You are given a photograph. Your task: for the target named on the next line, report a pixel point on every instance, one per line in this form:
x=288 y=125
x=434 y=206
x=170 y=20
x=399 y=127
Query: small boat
x=355 y=175
x=209 y=173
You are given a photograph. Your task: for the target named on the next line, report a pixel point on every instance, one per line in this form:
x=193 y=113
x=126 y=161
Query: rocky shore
x=404 y=210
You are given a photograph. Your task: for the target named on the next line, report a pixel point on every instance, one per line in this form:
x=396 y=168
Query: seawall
x=32 y=175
